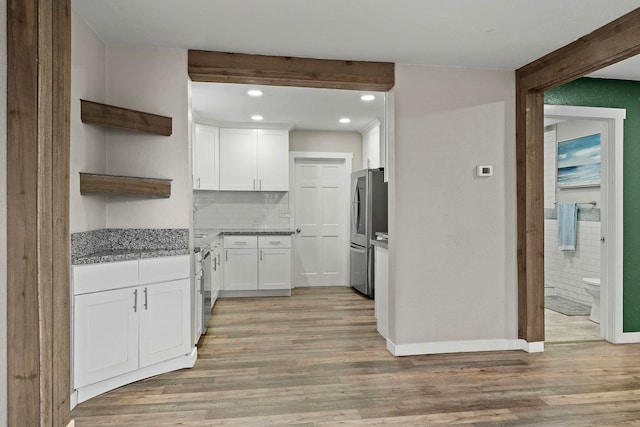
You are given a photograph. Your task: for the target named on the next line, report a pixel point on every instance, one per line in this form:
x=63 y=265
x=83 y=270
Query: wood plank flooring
x=315 y=359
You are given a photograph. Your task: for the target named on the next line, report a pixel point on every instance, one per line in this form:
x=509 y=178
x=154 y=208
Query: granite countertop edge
x=120 y=255
x=381 y=243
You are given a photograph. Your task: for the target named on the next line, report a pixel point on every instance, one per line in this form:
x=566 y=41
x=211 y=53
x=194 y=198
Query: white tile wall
x=564 y=270
x=239 y=209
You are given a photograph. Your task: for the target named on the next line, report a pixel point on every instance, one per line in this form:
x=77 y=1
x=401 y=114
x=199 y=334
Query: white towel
x=567 y=226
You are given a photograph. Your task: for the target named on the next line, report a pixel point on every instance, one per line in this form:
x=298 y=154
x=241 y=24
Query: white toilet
x=592 y=286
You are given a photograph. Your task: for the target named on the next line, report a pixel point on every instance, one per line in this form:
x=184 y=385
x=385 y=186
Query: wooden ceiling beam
x=605 y=46
x=222 y=67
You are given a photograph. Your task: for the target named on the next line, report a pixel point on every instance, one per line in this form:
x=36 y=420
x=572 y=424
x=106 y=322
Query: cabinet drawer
x=239 y=242
x=106 y=276
x=265 y=242
x=163 y=269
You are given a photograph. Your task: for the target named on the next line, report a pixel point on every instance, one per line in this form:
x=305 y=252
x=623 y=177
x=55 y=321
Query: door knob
x=298 y=230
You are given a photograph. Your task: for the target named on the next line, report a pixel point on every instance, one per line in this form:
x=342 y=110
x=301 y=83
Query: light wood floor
x=315 y=359
x=561 y=328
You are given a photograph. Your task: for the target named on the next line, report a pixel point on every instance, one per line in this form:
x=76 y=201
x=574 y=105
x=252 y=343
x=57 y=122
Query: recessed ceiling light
x=367 y=97
x=257 y=117
x=255 y=92
x=345 y=120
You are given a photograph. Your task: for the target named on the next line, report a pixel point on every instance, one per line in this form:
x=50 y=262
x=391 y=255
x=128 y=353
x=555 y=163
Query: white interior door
x=320 y=213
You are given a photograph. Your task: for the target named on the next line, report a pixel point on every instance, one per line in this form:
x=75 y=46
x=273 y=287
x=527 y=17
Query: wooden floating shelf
x=91 y=183
x=123 y=118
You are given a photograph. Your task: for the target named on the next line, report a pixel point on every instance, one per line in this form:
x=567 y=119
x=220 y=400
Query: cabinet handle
x=218 y=259
x=135 y=301
x=274 y=242
x=260 y=183
x=146 y=302
x=254 y=183
x=198 y=182
x=260 y=254
x=226 y=256
x=240 y=243
x=215 y=264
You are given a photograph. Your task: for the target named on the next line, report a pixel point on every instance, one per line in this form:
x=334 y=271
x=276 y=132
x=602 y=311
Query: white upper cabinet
x=371 y=147
x=206 y=158
x=254 y=160
x=273 y=160
x=238 y=159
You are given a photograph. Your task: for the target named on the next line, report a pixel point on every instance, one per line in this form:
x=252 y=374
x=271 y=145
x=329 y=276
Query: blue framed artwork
x=579 y=162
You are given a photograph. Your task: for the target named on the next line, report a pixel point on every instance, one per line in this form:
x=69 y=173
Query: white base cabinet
x=105 y=336
x=240 y=272
x=255 y=263
x=120 y=329
x=381 y=275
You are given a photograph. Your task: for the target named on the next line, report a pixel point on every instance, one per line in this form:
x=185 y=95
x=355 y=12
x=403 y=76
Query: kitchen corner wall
x=88 y=142
x=325 y=141
x=153 y=80
x=452 y=235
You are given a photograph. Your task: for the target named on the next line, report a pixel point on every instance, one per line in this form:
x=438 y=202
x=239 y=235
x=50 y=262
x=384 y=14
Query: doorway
x=598 y=249
x=320 y=200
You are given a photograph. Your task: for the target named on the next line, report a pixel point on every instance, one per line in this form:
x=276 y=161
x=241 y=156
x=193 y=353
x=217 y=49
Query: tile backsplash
x=241 y=209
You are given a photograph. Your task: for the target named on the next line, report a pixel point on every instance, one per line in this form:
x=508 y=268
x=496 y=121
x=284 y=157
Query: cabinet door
x=165 y=321
x=274 y=269
x=216 y=277
x=374 y=147
x=199 y=301
x=206 y=158
x=240 y=269
x=238 y=159
x=105 y=335
x=273 y=160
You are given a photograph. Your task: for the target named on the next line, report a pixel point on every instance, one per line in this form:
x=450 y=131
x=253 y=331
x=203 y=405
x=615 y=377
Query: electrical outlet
x=285 y=213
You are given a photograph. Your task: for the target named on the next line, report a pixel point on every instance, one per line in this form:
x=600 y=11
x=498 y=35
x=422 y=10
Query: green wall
x=618 y=94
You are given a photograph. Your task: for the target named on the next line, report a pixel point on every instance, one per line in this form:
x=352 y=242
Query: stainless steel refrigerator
x=368 y=216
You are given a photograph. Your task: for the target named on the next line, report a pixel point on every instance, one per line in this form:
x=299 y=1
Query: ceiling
x=490 y=34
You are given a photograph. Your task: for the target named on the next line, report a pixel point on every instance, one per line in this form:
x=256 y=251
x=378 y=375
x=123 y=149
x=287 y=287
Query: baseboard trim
x=74 y=399
x=452 y=347
x=266 y=293
x=87 y=392
x=627 y=338
x=532 y=347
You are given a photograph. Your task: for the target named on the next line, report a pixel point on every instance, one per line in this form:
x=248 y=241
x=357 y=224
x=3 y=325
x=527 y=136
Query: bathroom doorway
x=580 y=219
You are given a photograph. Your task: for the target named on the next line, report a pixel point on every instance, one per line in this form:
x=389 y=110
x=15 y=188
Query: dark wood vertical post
x=530 y=175
x=38 y=85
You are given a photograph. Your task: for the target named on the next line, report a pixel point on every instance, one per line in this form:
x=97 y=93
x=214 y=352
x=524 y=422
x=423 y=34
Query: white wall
x=323 y=141
x=153 y=80
x=3 y=213
x=453 y=236
x=88 y=142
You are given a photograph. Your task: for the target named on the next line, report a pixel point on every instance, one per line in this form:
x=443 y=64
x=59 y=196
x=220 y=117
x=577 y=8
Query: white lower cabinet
x=105 y=336
x=254 y=263
x=216 y=274
x=274 y=269
x=164 y=321
x=125 y=334
x=240 y=273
